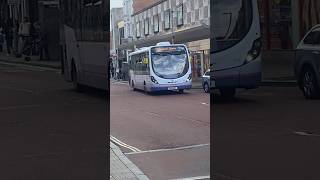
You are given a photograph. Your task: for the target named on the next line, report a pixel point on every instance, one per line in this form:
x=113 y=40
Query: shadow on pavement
x=93 y=92
x=218 y=99
x=163 y=93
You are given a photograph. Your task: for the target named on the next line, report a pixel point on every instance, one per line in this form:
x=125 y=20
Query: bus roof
x=146 y=49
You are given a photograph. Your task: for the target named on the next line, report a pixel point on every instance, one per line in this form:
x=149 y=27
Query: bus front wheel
x=132 y=85
x=228 y=93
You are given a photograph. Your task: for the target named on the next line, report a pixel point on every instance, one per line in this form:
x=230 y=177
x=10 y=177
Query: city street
x=271 y=133
x=167 y=135
x=48 y=130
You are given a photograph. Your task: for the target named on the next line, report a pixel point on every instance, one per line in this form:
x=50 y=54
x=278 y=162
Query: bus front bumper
x=160 y=87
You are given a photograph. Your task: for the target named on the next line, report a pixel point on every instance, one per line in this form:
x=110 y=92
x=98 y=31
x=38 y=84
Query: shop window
x=156 y=23
x=146 y=27
x=167 y=19
x=180 y=15
x=276 y=23
x=138 y=33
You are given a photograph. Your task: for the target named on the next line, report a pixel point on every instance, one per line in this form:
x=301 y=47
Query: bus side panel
x=72 y=53
x=95 y=65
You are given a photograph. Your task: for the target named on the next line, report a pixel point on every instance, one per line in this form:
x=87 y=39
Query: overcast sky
x=115 y=3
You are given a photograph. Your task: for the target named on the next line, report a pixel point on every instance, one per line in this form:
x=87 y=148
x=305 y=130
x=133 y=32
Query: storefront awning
x=184 y=36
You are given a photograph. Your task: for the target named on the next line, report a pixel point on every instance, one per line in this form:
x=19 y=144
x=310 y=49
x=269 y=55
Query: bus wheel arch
x=145 y=87
x=74 y=76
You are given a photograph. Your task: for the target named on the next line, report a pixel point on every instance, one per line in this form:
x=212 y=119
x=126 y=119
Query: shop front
x=285 y=22
x=200 y=53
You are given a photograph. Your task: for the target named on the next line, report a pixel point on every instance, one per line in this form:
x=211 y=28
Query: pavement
x=34 y=61
x=122 y=168
x=270 y=133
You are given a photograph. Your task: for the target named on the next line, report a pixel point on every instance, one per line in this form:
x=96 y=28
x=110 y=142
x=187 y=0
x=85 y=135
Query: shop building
x=176 y=21
x=285 y=22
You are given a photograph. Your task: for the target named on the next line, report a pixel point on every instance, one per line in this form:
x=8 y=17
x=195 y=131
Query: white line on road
x=30 y=67
x=193 y=178
x=120 y=143
x=205 y=104
x=17 y=107
x=302 y=133
x=170 y=149
x=119 y=82
x=17 y=89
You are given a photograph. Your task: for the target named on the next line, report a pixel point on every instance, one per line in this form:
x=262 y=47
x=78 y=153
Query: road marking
x=225 y=177
x=17 y=107
x=32 y=67
x=120 y=143
x=18 y=89
x=119 y=82
x=205 y=104
x=302 y=133
x=170 y=149
x=193 y=178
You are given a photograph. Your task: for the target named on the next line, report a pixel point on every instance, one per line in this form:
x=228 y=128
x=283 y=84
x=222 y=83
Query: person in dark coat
x=8 y=30
x=44 y=45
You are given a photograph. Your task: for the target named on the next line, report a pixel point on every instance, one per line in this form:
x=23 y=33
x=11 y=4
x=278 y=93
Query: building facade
x=177 y=21
x=117 y=31
x=285 y=22
x=127 y=12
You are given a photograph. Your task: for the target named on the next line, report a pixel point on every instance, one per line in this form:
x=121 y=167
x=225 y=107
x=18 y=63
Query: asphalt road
x=47 y=130
x=169 y=132
x=271 y=133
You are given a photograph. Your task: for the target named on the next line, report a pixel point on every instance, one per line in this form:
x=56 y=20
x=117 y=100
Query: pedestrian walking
x=1 y=40
x=112 y=71
x=24 y=34
x=9 y=35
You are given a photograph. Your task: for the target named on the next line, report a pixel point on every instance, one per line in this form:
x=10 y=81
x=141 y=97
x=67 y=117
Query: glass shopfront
x=277 y=21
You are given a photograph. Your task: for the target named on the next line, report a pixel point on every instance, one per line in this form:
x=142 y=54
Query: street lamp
x=172 y=27
x=133 y=43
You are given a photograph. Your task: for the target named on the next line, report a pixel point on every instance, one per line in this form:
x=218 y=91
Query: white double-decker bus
x=84 y=35
x=162 y=67
x=235 y=45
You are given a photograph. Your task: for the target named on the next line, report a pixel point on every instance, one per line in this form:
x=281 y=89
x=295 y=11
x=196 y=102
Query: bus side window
x=146 y=62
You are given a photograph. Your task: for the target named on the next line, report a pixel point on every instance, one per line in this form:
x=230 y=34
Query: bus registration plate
x=172 y=88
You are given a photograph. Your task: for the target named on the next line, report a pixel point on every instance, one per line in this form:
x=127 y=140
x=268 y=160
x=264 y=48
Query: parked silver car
x=307 y=63
x=207 y=82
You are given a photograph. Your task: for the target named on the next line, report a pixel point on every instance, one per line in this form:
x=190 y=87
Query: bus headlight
x=154 y=80
x=190 y=77
x=254 y=51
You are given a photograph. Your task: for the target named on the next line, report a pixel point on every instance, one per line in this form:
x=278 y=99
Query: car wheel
x=181 y=91
x=228 y=93
x=309 y=85
x=206 y=88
